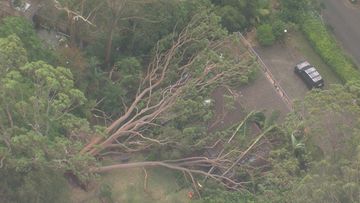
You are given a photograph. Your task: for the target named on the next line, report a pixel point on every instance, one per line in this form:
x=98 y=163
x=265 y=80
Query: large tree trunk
x=108 y=48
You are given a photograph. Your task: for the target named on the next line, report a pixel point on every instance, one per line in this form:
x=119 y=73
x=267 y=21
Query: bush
x=105 y=193
x=232 y=19
x=278 y=29
x=326 y=46
x=265 y=35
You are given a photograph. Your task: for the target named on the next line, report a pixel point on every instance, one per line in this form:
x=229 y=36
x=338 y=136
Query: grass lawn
x=127 y=185
x=299 y=42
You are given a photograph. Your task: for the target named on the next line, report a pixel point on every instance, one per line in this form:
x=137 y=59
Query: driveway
x=281 y=60
x=261 y=95
x=258 y=95
x=345 y=20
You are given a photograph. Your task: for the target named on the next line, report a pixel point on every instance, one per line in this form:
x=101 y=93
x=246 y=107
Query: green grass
x=127 y=185
x=299 y=42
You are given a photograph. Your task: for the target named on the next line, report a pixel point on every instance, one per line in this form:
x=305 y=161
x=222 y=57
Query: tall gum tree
x=327 y=123
x=38 y=129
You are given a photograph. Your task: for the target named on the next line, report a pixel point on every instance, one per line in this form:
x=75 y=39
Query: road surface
x=345 y=20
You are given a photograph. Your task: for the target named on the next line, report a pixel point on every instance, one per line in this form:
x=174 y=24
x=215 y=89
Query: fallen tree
x=224 y=162
x=192 y=62
x=198 y=69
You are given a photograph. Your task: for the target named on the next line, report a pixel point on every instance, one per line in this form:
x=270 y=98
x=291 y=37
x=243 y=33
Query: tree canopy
x=24 y=30
x=38 y=127
x=136 y=79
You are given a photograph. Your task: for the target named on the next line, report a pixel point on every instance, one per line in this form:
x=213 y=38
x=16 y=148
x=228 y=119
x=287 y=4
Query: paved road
x=345 y=19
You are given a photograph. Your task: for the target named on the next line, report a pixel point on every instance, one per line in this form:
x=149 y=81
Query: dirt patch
x=224 y=117
x=258 y=95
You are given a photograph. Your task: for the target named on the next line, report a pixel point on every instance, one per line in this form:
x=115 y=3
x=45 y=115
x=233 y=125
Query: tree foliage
x=239 y=15
x=328 y=49
x=24 y=30
x=293 y=10
x=148 y=69
x=264 y=34
x=326 y=170
x=12 y=54
x=38 y=127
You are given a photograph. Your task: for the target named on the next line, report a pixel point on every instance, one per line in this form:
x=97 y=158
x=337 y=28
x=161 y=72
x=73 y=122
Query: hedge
x=326 y=46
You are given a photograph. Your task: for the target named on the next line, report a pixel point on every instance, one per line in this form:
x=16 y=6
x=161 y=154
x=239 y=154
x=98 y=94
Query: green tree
x=232 y=19
x=12 y=54
x=237 y=15
x=41 y=97
x=278 y=28
x=25 y=31
x=39 y=129
x=294 y=10
x=329 y=122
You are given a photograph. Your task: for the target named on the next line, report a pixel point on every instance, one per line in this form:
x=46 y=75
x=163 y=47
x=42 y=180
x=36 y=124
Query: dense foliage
x=44 y=110
x=328 y=49
x=265 y=35
x=37 y=124
x=52 y=100
x=19 y=26
x=239 y=15
x=331 y=137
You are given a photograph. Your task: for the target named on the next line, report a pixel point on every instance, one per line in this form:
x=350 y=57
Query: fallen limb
x=249 y=148
x=227 y=182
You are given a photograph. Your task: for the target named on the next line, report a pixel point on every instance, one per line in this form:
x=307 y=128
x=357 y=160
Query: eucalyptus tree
x=335 y=133
x=324 y=129
x=12 y=54
x=39 y=131
x=24 y=30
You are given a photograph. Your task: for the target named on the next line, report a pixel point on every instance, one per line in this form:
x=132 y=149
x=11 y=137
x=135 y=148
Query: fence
x=268 y=74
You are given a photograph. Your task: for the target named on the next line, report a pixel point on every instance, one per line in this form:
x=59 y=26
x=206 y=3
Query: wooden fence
x=265 y=69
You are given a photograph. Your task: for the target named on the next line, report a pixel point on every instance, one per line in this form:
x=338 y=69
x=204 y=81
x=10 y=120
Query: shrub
x=278 y=29
x=326 y=46
x=265 y=35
